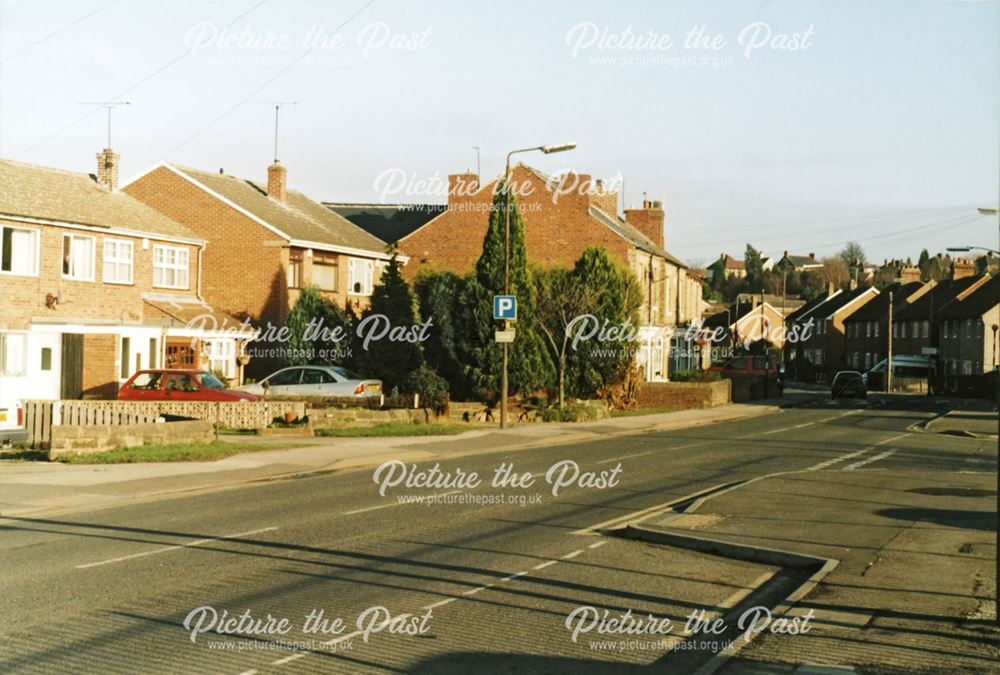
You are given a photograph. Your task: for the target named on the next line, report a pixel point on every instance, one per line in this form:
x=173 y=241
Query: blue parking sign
x=504 y=307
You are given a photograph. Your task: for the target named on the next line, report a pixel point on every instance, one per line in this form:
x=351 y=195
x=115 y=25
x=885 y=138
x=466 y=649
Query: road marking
x=775 y=431
x=741 y=594
x=544 y=565
x=894 y=438
x=249 y=672
x=573 y=554
x=615 y=459
x=288 y=659
x=197 y=542
x=842 y=458
x=473 y=591
x=442 y=603
x=514 y=576
x=874 y=458
x=598 y=544
x=330 y=643
x=397 y=503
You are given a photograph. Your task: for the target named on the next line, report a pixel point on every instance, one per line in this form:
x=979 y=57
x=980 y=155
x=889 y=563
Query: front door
x=71 y=378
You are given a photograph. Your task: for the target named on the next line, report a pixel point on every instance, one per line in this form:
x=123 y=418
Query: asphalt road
x=110 y=590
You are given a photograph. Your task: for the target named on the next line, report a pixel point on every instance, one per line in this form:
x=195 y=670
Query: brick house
x=866 y=340
x=97 y=285
x=824 y=346
x=563 y=216
x=267 y=242
x=742 y=324
x=799 y=263
x=967 y=330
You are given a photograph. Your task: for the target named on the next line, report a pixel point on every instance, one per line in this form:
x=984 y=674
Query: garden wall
x=684 y=395
x=93 y=438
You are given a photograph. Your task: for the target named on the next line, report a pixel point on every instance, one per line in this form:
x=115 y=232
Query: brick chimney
x=604 y=198
x=107 y=168
x=961 y=269
x=648 y=220
x=277 y=181
x=909 y=274
x=461 y=186
x=812 y=256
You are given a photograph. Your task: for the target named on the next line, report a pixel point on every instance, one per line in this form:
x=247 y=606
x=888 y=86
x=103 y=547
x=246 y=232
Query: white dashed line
x=288 y=659
x=874 y=458
x=572 y=554
x=515 y=576
x=544 y=565
x=598 y=544
x=615 y=459
x=473 y=591
x=442 y=603
x=890 y=440
x=395 y=503
x=165 y=549
x=842 y=458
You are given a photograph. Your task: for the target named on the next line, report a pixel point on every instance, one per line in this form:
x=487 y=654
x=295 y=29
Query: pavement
x=510 y=572
x=972 y=423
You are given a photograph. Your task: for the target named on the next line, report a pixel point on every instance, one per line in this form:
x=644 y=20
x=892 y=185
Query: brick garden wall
x=684 y=395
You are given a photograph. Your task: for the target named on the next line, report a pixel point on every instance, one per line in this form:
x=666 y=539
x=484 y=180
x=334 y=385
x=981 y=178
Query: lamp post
x=548 y=150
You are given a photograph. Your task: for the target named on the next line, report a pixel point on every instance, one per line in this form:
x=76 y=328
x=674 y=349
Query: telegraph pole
x=888 y=361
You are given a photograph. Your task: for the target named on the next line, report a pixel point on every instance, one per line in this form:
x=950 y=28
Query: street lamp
x=548 y=150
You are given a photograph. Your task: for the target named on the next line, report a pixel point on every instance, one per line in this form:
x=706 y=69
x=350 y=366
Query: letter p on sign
x=504 y=307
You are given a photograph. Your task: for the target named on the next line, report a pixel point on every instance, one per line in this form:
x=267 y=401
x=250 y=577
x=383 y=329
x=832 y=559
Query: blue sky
x=881 y=127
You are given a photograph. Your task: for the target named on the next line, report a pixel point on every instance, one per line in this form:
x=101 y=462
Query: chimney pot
x=277 y=177
x=107 y=168
x=812 y=255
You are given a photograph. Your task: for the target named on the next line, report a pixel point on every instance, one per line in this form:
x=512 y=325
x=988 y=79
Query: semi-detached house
x=265 y=244
x=96 y=285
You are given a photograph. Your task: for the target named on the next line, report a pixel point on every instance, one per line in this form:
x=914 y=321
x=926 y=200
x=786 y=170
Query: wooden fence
x=40 y=416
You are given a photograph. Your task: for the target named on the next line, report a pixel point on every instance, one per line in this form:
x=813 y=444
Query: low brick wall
x=327 y=418
x=92 y=438
x=683 y=395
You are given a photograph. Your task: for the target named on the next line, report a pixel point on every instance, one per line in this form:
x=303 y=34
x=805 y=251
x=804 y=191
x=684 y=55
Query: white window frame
x=72 y=275
x=6 y=368
x=177 y=267
x=36 y=233
x=352 y=271
x=116 y=260
x=222 y=356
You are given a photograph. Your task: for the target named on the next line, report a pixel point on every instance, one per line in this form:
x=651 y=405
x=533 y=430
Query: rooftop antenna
x=277 y=109
x=476 y=148
x=109 y=106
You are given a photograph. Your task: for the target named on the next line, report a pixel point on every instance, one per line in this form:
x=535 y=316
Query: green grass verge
x=397 y=429
x=176 y=452
x=641 y=411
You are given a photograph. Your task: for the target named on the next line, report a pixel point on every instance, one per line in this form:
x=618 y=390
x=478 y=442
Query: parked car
x=848 y=384
x=749 y=364
x=179 y=385
x=12 y=421
x=315 y=381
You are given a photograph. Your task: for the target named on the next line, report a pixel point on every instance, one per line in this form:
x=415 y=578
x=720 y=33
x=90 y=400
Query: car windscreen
x=147 y=381
x=210 y=381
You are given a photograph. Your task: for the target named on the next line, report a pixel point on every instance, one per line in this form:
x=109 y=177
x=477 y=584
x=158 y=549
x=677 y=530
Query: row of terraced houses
x=178 y=266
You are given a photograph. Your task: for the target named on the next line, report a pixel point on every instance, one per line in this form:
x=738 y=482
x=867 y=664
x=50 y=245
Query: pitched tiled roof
x=633 y=236
x=45 y=193
x=807 y=309
x=298 y=217
x=975 y=304
x=944 y=293
x=878 y=308
x=388 y=222
x=839 y=301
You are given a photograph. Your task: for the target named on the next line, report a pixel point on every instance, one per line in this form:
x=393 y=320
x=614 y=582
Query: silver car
x=314 y=381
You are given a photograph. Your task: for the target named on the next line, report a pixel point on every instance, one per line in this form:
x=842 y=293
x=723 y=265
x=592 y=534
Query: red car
x=179 y=385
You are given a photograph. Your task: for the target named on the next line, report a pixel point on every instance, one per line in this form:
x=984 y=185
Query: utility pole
x=888 y=361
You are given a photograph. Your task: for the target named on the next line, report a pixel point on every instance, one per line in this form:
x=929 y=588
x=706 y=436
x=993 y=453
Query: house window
x=46 y=358
x=868 y=360
x=925 y=329
x=18 y=251
x=170 y=267
x=78 y=257
x=295 y=274
x=902 y=329
x=117 y=261
x=875 y=324
x=222 y=357
x=360 y=273
x=868 y=328
x=123 y=368
x=968 y=328
x=324 y=277
x=13 y=349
